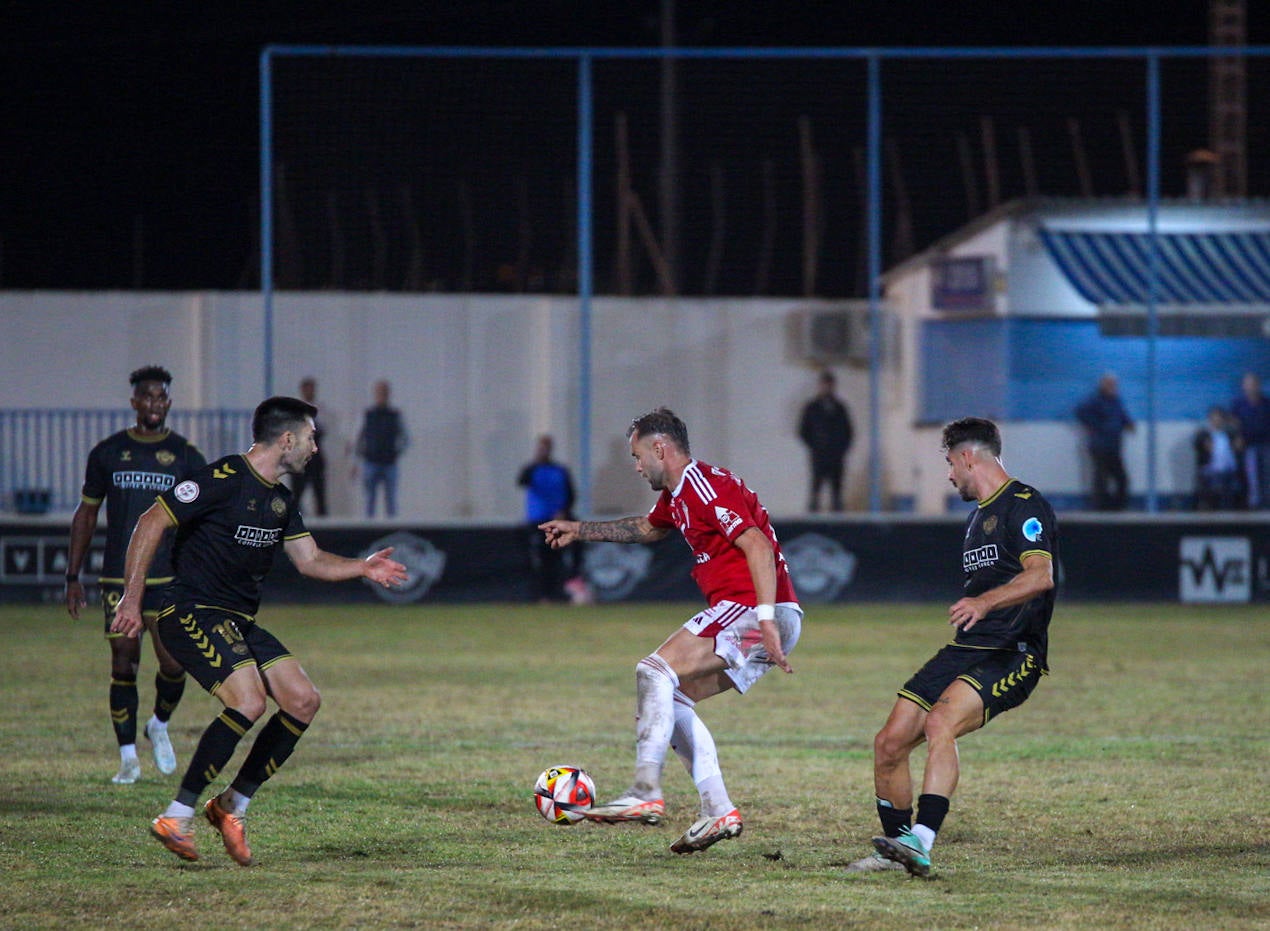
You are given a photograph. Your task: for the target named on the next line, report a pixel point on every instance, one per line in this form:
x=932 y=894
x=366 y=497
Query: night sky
x=131 y=151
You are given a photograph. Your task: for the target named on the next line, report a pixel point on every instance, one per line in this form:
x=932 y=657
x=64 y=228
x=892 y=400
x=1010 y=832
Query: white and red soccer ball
x=564 y=793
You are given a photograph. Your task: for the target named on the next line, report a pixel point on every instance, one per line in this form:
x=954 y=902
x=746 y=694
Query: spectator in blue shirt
x=1105 y=421
x=548 y=496
x=1252 y=410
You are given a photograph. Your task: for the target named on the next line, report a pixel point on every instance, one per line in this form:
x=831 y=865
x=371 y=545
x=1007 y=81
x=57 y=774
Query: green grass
x=1130 y=791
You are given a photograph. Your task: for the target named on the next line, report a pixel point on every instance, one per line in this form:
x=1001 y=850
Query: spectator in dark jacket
x=379 y=444
x=825 y=427
x=1252 y=410
x=1105 y=421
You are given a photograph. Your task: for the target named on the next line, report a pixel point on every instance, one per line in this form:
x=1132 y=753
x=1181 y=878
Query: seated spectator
x=1218 y=478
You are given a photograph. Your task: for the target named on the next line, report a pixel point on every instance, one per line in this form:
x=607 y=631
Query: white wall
x=478 y=377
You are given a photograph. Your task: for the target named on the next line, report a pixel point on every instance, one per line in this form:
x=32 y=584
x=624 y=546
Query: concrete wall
x=478 y=377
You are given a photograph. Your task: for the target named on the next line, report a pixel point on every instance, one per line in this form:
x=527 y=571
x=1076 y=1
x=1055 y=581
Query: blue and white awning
x=1193 y=268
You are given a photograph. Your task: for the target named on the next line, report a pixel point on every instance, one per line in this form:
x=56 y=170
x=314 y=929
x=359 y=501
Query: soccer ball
x=564 y=793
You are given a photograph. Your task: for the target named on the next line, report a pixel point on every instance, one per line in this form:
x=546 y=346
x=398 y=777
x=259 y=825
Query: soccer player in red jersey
x=752 y=622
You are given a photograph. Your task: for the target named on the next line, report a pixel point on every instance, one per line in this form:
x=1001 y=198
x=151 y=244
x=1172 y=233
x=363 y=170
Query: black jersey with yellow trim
x=1008 y=526
x=128 y=470
x=230 y=523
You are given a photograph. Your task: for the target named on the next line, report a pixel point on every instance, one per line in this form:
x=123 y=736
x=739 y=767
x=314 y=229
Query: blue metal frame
x=873 y=58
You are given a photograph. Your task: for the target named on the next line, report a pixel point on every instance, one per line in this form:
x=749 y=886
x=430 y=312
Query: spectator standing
x=1218 y=474
x=549 y=495
x=1105 y=421
x=825 y=427
x=1252 y=410
x=380 y=443
x=314 y=476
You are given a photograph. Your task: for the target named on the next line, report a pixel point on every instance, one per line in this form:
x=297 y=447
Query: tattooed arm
x=560 y=533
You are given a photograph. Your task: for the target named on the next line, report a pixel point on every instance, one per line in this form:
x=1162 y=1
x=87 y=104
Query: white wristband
x=766 y=612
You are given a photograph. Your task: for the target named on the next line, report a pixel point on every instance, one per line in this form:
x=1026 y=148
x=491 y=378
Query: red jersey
x=712 y=507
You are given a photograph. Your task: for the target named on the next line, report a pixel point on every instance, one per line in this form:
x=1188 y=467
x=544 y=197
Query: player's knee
x=891 y=745
x=304 y=705
x=251 y=707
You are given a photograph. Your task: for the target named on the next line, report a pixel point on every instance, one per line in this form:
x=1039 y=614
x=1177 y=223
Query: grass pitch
x=1129 y=792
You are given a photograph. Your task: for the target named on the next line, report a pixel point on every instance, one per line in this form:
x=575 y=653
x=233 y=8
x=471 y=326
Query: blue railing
x=43 y=452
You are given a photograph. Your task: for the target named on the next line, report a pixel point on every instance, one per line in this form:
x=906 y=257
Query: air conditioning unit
x=836 y=334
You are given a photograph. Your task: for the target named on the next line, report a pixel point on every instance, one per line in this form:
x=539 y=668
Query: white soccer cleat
x=706 y=832
x=129 y=772
x=875 y=863
x=628 y=808
x=164 y=755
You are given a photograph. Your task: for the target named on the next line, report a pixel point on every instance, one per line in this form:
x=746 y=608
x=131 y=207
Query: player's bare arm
x=1036 y=578
x=83 y=523
x=761 y=559
x=143 y=544
x=561 y=533
x=316 y=563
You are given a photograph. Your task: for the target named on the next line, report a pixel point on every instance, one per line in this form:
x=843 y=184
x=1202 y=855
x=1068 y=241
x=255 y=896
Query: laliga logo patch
x=820 y=567
x=424 y=564
x=1032 y=529
x=615 y=569
x=186 y=492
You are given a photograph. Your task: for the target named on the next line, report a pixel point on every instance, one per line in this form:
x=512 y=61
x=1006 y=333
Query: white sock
x=655 y=684
x=154 y=724
x=694 y=744
x=234 y=802
x=127 y=752
x=177 y=810
x=925 y=835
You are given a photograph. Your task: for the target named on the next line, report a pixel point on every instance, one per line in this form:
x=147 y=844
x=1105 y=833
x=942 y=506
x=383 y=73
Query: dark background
x=131 y=152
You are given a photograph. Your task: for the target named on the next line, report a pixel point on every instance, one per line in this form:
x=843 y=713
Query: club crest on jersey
x=278 y=506
x=728 y=519
x=186 y=492
x=165 y=457
x=990 y=524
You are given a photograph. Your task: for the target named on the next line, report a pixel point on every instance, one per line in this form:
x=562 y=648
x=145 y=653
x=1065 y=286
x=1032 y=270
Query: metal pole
x=266 y=213
x=874 y=170
x=1153 y=262
x=585 y=283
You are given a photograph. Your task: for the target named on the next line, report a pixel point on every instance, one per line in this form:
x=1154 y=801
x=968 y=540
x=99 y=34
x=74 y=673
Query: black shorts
x=1003 y=679
x=213 y=643
x=111 y=592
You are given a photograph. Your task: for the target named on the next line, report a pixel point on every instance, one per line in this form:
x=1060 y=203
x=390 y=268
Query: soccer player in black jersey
x=231 y=517
x=996 y=657
x=127 y=470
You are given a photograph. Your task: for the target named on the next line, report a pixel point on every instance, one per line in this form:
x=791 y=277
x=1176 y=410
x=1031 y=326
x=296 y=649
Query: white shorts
x=738 y=641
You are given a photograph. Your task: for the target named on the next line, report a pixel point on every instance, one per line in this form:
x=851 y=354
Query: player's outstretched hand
x=772 y=645
x=559 y=533
x=387 y=572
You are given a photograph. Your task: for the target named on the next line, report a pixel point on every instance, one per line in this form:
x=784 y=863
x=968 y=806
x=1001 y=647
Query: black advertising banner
x=907 y=559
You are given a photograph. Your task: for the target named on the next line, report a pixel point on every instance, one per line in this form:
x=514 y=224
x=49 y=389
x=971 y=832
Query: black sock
x=167 y=694
x=123 y=708
x=894 y=820
x=214 y=750
x=275 y=743
x=931 y=810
